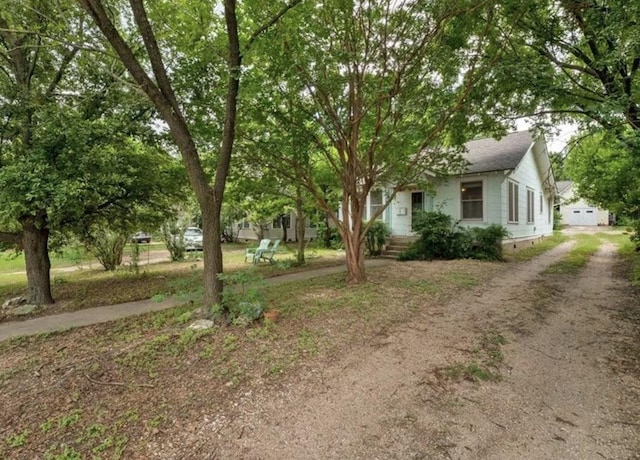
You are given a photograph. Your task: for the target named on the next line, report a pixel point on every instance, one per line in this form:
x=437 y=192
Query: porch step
x=395 y=246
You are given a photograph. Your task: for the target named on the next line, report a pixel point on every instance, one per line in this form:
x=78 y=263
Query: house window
x=530 y=203
x=513 y=202
x=280 y=220
x=541 y=203
x=375 y=203
x=471 y=200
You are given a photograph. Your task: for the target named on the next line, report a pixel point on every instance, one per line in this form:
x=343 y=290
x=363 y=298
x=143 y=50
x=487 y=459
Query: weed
x=545 y=245
x=65 y=453
x=156 y=421
x=488 y=355
x=307 y=342
x=474 y=372
x=207 y=351
x=276 y=369
x=230 y=342
x=70 y=419
x=577 y=258
x=18 y=440
x=94 y=430
x=47 y=426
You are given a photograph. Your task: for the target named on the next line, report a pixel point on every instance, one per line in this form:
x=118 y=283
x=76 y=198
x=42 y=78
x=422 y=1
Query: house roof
x=485 y=155
x=563 y=185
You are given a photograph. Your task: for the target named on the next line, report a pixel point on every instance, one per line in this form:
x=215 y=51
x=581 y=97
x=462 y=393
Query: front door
x=417 y=206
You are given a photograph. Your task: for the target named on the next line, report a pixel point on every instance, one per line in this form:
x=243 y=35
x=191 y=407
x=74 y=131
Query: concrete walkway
x=107 y=313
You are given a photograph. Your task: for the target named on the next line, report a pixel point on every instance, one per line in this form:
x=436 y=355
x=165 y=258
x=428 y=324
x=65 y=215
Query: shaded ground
x=559 y=397
x=454 y=359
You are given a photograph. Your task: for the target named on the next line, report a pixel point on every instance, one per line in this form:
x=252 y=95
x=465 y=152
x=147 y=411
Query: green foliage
x=375 y=238
x=329 y=237
x=442 y=238
x=635 y=236
x=571 y=59
x=173 y=236
x=242 y=297
x=107 y=246
x=605 y=168
x=557 y=219
x=577 y=258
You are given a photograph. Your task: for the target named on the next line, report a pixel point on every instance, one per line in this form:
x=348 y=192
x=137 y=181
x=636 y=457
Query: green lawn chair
x=269 y=253
x=254 y=253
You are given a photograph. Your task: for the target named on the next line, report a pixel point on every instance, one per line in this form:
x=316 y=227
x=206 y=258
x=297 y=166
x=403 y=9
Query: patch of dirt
x=397 y=368
x=559 y=397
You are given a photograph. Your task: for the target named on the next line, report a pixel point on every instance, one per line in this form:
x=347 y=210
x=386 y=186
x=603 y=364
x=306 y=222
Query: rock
x=14 y=302
x=201 y=324
x=23 y=310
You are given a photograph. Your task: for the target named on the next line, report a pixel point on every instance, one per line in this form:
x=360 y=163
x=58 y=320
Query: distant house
x=577 y=212
x=508 y=182
x=283 y=228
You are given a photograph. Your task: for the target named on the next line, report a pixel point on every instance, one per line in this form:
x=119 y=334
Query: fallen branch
x=116 y=384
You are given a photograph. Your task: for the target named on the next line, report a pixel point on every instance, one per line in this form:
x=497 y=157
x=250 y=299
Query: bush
x=376 y=237
x=173 y=236
x=107 y=246
x=329 y=237
x=635 y=236
x=242 y=296
x=557 y=220
x=442 y=238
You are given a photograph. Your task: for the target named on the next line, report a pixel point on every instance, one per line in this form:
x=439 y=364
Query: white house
x=508 y=182
x=576 y=211
x=284 y=228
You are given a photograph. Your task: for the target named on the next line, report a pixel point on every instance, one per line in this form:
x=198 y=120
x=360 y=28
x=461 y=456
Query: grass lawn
x=115 y=390
x=91 y=287
x=120 y=389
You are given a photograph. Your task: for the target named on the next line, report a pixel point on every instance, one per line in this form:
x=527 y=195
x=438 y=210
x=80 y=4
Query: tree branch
x=270 y=23
x=11 y=237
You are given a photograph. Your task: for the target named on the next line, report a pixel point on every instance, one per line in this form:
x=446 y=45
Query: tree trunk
x=300 y=226
x=352 y=236
x=212 y=255
x=35 y=243
x=283 y=224
x=354 y=249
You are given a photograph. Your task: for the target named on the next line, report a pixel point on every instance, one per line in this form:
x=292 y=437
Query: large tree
x=605 y=170
x=65 y=131
x=383 y=90
x=577 y=59
x=150 y=71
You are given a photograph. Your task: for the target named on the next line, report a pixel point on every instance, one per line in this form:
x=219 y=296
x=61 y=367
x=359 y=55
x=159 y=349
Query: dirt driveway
x=560 y=345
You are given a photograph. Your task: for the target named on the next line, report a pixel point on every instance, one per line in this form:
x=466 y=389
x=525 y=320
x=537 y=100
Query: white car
x=193 y=239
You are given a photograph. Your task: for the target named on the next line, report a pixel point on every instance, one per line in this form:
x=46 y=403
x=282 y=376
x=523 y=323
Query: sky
x=556 y=142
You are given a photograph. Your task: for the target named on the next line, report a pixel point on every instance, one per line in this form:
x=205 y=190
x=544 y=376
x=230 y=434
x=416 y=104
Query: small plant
x=473 y=372
x=173 y=236
x=488 y=356
x=70 y=419
x=242 y=296
x=18 y=440
x=107 y=246
x=376 y=238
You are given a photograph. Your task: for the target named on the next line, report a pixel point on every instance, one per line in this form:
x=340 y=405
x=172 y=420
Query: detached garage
x=581 y=216
x=576 y=211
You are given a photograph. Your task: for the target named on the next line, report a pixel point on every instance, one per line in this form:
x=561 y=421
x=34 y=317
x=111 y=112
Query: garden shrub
x=107 y=246
x=329 y=237
x=442 y=238
x=376 y=237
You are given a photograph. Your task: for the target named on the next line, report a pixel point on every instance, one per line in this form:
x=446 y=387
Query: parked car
x=193 y=239
x=141 y=237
